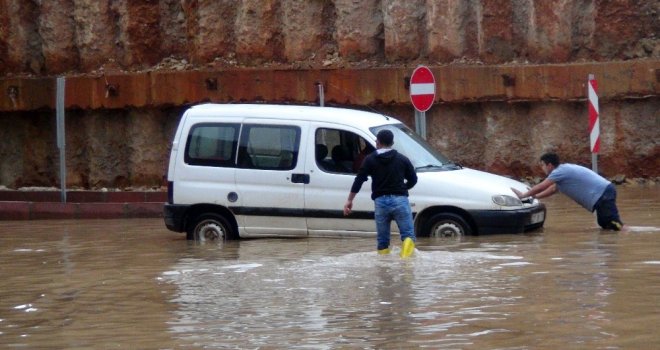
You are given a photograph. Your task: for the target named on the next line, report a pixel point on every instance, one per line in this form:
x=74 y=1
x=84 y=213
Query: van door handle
x=300 y=178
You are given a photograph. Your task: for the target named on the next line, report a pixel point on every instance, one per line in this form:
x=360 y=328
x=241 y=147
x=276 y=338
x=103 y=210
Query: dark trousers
x=606 y=210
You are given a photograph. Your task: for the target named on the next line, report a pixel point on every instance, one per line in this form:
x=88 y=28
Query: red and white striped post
x=594 y=123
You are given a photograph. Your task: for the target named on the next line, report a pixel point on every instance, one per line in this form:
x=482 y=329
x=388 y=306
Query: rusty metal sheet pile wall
x=456 y=84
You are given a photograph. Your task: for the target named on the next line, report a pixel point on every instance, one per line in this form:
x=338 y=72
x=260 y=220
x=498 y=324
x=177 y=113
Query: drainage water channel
x=133 y=284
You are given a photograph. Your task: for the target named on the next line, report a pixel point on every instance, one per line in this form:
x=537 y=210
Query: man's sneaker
x=383 y=251
x=616 y=226
x=407 y=247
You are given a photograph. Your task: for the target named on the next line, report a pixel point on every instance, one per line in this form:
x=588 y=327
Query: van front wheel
x=447 y=225
x=210 y=227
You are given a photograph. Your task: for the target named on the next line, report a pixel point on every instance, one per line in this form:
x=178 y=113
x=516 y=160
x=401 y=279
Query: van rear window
x=212 y=145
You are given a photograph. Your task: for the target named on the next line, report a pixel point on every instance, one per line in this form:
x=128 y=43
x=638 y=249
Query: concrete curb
x=39 y=205
x=83 y=196
x=54 y=210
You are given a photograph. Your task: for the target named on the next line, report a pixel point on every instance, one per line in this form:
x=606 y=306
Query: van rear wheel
x=210 y=228
x=447 y=225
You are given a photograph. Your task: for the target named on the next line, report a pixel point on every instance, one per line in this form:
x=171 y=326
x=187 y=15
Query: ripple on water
x=352 y=296
x=642 y=229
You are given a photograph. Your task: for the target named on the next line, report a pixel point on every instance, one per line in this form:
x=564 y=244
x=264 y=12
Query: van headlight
x=507 y=201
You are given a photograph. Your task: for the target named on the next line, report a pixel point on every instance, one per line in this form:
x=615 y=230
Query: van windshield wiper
x=428 y=166
x=446 y=166
x=452 y=166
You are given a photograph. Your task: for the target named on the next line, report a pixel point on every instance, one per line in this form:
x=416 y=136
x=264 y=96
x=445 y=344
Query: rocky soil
x=81 y=36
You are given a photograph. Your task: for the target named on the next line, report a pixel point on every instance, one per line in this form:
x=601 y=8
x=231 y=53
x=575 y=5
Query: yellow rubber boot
x=383 y=251
x=407 y=247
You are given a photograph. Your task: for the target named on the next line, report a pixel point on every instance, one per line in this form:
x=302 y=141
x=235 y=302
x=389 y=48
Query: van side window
x=271 y=147
x=212 y=145
x=340 y=151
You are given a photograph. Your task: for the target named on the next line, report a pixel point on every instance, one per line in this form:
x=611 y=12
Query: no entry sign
x=422 y=88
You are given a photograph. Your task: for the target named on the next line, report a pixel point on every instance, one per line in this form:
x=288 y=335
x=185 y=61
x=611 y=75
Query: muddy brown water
x=117 y=284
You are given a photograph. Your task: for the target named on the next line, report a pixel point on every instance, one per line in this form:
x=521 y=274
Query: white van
x=241 y=170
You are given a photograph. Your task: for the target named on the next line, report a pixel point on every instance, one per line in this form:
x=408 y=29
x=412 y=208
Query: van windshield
x=420 y=153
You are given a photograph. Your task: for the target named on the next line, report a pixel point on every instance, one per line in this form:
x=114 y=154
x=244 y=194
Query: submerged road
x=130 y=283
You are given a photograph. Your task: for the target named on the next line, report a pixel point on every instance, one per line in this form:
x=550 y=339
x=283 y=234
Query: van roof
x=293 y=112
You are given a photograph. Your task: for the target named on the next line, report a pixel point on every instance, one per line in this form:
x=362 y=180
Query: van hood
x=467 y=188
x=492 y=181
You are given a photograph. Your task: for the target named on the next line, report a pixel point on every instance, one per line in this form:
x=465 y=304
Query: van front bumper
x=508 y=221
x=174 y=216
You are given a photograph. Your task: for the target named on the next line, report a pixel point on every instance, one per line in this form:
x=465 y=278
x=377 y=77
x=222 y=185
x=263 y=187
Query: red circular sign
x=422 y=88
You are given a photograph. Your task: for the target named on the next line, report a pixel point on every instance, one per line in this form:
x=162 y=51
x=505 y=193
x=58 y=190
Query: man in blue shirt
x=590 y=190
x=392 y=176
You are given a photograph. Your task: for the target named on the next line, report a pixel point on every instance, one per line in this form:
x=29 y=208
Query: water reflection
x=131 y=283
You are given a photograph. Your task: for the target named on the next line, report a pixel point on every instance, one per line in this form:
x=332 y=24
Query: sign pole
x=594 y=162
x=59 y=112
x=420 y=123
x=594 y=123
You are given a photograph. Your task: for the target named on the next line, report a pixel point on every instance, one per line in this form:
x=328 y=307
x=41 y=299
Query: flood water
x=117 y=284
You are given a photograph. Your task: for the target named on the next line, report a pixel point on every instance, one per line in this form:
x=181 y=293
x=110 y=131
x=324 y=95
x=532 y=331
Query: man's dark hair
x=385 y=138
x=550 y=158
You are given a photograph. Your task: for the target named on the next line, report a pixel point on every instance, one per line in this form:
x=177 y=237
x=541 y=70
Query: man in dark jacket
x=392 y=176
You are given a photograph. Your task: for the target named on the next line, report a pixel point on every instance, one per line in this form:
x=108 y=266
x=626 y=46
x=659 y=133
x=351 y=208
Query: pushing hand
x=518 y=193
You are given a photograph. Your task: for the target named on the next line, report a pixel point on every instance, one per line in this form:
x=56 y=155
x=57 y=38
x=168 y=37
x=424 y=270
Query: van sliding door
x=270 y=178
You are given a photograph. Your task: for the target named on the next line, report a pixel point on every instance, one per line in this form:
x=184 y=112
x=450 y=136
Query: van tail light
x=170 y=192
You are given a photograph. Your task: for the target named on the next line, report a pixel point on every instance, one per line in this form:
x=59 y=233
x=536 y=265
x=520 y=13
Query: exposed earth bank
x=128 y=148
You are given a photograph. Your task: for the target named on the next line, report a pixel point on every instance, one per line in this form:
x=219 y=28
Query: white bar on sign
x=422 y=89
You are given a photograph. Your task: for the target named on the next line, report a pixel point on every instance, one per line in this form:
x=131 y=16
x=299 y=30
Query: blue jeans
x=397 y=208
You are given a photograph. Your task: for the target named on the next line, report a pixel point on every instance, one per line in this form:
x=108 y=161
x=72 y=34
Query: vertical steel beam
x=61 y=135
